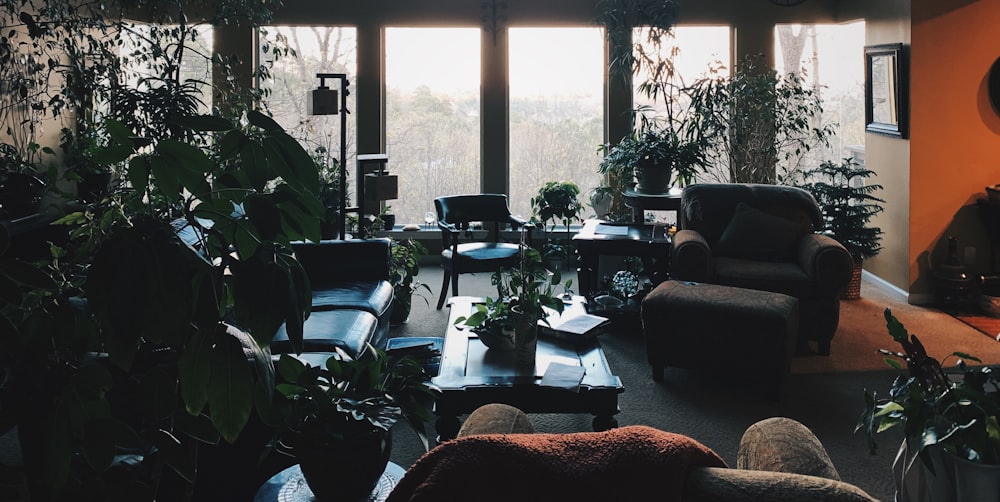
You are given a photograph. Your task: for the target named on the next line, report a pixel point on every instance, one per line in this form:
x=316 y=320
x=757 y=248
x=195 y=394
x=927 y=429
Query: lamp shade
x=322 y=101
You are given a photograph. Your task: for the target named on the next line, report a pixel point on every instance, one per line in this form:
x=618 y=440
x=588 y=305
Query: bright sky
x=569 y=60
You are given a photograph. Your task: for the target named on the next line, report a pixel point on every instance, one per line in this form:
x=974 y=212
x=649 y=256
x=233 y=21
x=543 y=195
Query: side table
x=640 y=202
x=290 y=486
x=598 y=238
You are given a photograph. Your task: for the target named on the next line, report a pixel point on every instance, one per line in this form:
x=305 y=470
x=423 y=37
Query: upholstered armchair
x=763 y=237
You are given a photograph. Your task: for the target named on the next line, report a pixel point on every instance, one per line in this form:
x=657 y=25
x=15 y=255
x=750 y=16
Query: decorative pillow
x=753 y=234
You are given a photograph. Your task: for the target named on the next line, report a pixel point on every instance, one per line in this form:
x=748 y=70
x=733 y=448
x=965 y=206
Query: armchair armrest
x=827 y=263
x=691 y=258
x=347 y=260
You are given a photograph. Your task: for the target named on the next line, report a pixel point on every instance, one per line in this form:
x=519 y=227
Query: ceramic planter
x=525 y=339
x=652 y=180
x=343 y=469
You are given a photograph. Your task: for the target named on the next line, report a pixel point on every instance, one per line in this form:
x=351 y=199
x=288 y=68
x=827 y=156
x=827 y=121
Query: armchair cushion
x=756 y=235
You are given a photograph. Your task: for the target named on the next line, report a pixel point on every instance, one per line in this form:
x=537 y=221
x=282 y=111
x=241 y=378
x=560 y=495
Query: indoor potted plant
x=658 y=157
x=338 y=417
x=949 y=420
x=492 y=322
x=404 y=265
x=557 y=202
x=848 y=207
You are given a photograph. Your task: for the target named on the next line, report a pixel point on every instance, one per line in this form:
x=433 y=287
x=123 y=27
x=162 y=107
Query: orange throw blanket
x=627 y=463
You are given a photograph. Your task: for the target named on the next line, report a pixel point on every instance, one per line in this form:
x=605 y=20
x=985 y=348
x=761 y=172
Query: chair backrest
x=708 y=207
x=487 y=208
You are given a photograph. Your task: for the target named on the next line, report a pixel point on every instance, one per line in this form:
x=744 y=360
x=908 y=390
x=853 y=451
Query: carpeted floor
x=824 y=393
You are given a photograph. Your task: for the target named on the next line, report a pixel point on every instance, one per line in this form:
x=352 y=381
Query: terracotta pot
x=853 y=289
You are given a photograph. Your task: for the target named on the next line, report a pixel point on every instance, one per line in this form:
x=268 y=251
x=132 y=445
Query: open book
x=573 y=326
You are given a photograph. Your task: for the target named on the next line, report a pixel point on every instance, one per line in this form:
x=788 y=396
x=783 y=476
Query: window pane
x=318 y=49
x=556 y=110
x=828 y=58
x=432 y=116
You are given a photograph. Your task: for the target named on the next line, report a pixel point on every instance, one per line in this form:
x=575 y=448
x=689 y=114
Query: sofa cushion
x=374 y=296
x=753 y=234
x=786 y=278
x=346 y=329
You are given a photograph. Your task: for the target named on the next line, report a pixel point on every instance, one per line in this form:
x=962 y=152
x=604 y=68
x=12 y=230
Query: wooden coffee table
x=472 y=376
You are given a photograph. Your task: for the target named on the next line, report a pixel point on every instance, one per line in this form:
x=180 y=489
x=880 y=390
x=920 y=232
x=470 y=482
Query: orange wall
x=955 y=134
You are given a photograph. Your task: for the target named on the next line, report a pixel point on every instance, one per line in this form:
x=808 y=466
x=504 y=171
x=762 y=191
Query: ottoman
x=720 y=328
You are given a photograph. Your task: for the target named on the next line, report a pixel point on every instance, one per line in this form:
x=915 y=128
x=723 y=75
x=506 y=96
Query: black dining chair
x=461 y=256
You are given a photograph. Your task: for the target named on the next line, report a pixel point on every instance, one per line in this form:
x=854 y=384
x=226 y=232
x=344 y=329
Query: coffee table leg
x=604 y=422
x=447 y=427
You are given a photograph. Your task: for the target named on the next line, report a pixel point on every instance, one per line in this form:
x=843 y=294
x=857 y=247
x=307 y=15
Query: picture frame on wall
x=886 y=90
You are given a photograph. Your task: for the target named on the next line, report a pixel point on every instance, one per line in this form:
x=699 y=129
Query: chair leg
x=454 y=284
x=444 y=289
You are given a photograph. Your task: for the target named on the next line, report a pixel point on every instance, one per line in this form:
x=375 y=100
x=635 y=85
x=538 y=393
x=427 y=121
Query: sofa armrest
x=496 y=418
x=736 y=485
x=348 y=260
x=691 y=258
x=827 y=263
x=782 y=444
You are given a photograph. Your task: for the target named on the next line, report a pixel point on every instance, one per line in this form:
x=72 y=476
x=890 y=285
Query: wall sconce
x=324 y=100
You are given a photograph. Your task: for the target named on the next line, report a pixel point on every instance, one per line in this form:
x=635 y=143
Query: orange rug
x=862 y=331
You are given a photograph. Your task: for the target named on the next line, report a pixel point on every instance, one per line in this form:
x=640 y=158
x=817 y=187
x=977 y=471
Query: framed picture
x=886 y=89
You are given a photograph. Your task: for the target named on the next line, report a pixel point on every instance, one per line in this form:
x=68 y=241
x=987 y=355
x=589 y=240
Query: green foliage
x=848 y=205
x=760 y=121
x=352 y=396
x=492 y=316
x=619 y=17
x=404 y=265
x=529 y=286
x=932 y=407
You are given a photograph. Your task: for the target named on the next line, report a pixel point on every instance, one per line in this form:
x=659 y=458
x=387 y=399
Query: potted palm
x=848 y=205
x=338 y=417
x=949 y=419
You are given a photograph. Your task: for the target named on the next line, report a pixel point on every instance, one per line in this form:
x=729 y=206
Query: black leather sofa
x=351 y=296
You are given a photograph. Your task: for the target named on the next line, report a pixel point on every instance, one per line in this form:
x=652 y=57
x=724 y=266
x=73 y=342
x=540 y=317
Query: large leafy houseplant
x=331 y=409
x=763 y=122
x=557 y=201
x=955 y=411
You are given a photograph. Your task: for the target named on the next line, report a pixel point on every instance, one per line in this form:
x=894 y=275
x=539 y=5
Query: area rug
x=862 y=332
x=989 y=326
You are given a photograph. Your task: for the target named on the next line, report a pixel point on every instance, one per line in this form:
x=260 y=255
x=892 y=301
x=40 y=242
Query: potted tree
x=848 y=205
x=949 y=417
x=404 y=265
x=338 y=417
x=557 y=201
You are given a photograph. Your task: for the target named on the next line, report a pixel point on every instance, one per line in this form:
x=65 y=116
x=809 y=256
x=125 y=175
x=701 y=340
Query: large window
x=693 y=52
x=432 y=116
x=315 y=49
x=556 y=110
x=827 y=56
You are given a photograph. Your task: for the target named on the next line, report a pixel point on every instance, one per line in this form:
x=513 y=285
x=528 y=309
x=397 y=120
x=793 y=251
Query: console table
x=597 y=238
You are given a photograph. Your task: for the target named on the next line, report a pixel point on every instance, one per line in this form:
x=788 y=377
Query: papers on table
x=564 y=376
x=573 y=326
x=605 y=229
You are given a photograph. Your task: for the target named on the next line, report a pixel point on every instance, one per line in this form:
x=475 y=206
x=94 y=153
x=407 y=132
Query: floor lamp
x=324 y=101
